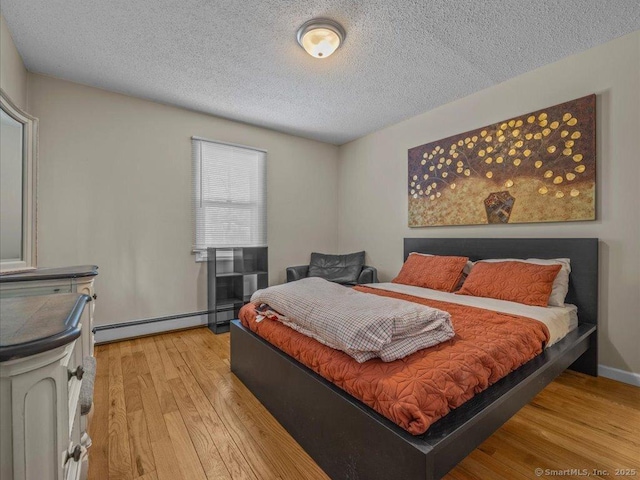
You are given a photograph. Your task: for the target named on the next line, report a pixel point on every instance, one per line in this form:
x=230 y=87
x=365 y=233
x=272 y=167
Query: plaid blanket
x=362 y=325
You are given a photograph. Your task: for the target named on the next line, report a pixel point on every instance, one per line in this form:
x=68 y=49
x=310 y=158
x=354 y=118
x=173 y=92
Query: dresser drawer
x=75 y=458
x=75 y=373
x=28 y=289
x=75 y=462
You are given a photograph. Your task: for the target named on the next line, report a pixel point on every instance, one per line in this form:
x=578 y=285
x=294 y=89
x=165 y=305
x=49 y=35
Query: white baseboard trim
x=619 y=375
x=161 y=326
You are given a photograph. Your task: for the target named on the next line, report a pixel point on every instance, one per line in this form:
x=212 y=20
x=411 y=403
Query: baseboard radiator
x=149 y=326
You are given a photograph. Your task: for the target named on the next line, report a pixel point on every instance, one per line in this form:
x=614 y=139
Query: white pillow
x=560 y=284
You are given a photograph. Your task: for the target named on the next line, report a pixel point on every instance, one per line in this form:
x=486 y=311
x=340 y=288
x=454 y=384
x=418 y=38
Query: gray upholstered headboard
x=583 y=252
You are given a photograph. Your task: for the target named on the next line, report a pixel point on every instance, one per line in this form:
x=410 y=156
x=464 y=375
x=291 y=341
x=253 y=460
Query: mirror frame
x=29 y=190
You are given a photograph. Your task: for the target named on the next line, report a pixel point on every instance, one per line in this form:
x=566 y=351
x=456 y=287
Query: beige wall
x=373 y=169
x=13 y=75
x=115 y=190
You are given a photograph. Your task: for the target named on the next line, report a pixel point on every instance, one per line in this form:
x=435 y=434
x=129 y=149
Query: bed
x=350 y=440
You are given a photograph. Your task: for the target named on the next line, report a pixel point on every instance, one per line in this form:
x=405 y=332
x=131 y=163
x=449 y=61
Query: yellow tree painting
x=538 y=167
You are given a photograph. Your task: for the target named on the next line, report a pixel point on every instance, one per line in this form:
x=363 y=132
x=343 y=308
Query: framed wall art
x=538 y=167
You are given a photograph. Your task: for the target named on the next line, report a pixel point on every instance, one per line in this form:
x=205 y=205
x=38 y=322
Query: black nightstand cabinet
x=233 y=274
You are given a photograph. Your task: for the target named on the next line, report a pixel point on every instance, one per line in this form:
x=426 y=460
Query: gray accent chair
x=343 y=269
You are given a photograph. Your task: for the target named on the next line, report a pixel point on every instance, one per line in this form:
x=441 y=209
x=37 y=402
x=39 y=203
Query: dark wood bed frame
x=351 y=441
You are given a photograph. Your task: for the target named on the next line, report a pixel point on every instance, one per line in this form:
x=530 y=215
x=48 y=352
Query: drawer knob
x=78 y=373
x=95 y=296
x=77 y=451
x=74 y=454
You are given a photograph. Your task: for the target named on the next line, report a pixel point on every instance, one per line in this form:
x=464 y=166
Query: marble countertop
x=31 y=325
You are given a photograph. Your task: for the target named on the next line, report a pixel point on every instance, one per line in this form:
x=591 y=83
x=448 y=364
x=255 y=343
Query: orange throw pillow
x=432 y=271
x=513 y=281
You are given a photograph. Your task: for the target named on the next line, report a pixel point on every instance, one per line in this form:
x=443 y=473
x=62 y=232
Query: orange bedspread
x=419 y=389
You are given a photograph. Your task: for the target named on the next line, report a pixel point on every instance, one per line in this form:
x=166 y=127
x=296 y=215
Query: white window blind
x=229 y=195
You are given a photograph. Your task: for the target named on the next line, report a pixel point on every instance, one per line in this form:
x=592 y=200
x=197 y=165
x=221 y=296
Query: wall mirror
x=18 y=162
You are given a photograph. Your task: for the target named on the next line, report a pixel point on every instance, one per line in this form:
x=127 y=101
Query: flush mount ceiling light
x=320 y=37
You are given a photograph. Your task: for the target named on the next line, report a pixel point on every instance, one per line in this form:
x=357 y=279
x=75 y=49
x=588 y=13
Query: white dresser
x=47 y=281
x=45 y=341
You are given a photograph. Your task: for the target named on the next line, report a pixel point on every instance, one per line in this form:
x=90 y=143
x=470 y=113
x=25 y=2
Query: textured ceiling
x=240 y=60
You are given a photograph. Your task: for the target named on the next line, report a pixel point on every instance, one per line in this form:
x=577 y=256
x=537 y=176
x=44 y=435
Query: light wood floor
x=167 y=407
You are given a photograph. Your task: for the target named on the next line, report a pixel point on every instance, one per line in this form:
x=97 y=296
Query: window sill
x=201 y=255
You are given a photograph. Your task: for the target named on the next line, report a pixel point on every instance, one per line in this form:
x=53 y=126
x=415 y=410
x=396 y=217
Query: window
x=230 y=196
